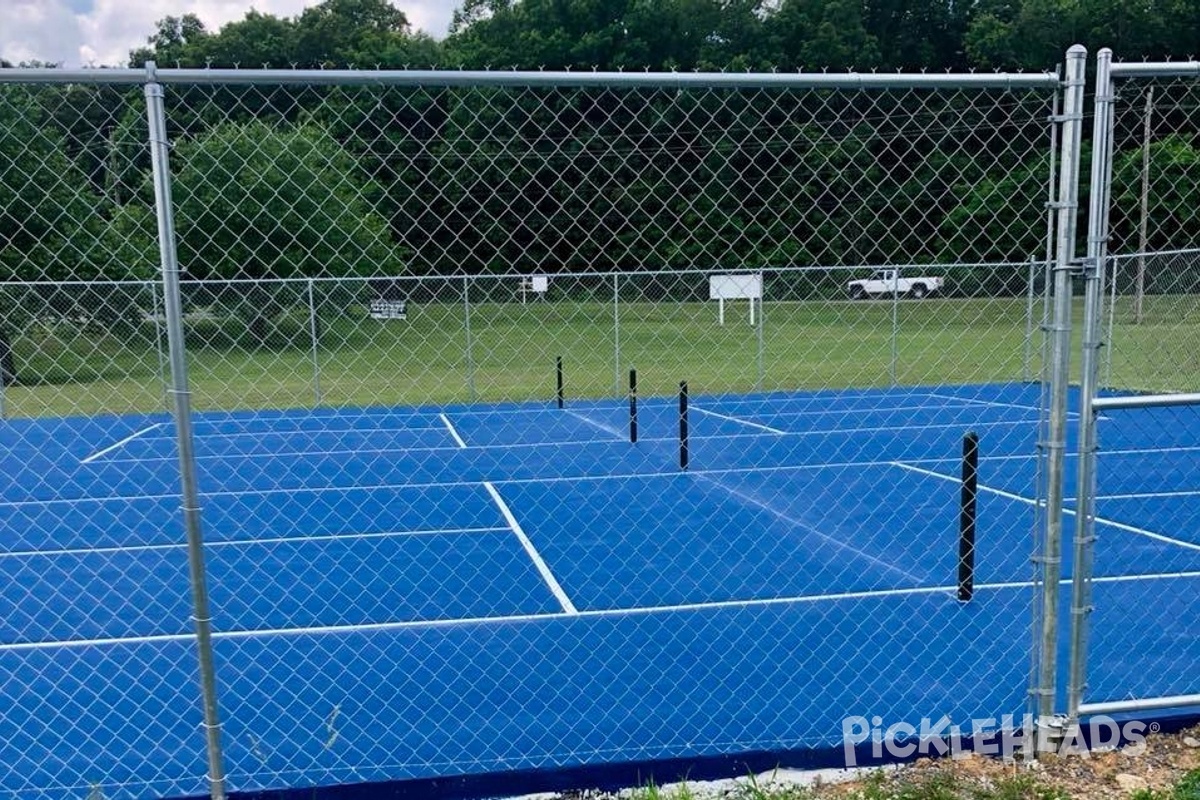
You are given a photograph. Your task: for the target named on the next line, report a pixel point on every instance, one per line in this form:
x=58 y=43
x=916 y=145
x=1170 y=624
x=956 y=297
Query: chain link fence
x=390 y=386
x=1136 y=507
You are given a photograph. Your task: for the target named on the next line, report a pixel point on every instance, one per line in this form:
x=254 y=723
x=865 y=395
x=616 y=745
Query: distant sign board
x=735 y=287
x=536 y=284
x=389 y=309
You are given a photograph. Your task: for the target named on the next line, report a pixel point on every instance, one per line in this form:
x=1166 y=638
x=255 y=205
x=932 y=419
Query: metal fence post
x=470 y=355
x=616 y=336
x=895 y=324
x=1027 y=357
x=1093 y=312
x=312 y=331
x=7 y=367
x=762 y=312
x=156 y=118
x=1139 y=291
x=162 y=361
x=1114 y=276
x=1048 y=727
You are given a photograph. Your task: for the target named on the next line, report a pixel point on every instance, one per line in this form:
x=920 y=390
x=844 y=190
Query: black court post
x=633 y=405
x=683 y=425
x=558 y=371
x=966 y=516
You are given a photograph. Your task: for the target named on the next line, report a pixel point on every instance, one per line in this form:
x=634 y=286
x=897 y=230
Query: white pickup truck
x=887 y=282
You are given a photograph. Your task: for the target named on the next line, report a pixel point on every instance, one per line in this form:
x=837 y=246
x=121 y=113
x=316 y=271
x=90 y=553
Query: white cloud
x=102 y=32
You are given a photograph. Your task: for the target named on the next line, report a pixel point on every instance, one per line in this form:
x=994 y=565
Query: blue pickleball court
x=418 y=593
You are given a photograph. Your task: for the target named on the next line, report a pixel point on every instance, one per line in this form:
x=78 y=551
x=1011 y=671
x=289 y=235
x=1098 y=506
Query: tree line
x=291 y=181
x=688 y=34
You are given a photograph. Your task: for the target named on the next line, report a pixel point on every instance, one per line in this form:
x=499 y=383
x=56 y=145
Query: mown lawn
x=506 y=352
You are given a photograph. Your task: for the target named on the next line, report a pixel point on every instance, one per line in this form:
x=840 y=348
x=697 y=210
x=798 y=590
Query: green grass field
x=509 y=354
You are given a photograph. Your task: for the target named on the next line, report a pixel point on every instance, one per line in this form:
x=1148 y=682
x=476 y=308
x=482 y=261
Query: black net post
x=8 y=368
x=683 y=425
x=966 y=516
x=633 y=405
x=559 y=378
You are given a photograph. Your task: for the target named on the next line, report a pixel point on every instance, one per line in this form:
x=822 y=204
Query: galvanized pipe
x=492 y=78
x=1146 y=401
x=159 y=147
x=1148 y=704
x=1093 y=316
x=1067 y=207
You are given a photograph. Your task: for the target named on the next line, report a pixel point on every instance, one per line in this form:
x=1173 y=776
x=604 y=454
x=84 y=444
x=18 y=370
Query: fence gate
x=1137 y=517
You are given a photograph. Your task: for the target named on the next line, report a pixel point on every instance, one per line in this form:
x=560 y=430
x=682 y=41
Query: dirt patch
x=1157 y=766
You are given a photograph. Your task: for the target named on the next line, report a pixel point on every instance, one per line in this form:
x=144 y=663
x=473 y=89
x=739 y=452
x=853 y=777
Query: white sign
x=735 y=287
x=538 y=284
x=389 y=309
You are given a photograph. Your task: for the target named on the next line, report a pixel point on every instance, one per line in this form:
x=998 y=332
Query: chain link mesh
x=420 y=564
x=1144 y=494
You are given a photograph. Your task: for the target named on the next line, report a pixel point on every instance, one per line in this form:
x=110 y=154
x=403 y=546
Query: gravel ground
x=1092 y=776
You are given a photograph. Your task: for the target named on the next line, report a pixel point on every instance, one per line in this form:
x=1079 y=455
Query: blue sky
x=78 y=33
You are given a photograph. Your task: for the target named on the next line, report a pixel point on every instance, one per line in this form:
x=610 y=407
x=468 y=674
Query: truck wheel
x=918 y=290
x=857 y=293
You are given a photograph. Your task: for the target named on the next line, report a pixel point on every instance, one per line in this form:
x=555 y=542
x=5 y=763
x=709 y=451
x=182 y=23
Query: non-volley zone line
x=991 y=403
x=299 y=539
x=738 y=420
x=301 y=433
x=616 y=476
x=1121 y=526
x=499 y=481
x=120 y=444
x=364 y=451
x=558 y=616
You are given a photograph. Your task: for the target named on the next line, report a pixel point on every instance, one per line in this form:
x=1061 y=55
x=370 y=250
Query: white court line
x=766 y=428
x=121 y=443
x=911 y=428
x=799 y=524
x=887 y=462
x=715 y=605
x=1133 y=451
x=600 y=425
x=333 y=537
x=555 y=588
x=973 y=401
x=304 y=432
x=450 y=427
x=576 y=443
x=869 y=410
x=1121 y=526
x=617 y=476
x=1148 y=495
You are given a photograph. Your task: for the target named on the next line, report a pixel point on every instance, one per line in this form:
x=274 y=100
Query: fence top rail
x=1146 y=401
x=539 y=79
x=562 y=275
x=1156 y=69
x=1179 y=251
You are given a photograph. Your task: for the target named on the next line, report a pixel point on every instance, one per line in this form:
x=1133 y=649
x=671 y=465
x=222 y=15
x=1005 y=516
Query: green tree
x=50 y=223
x=1172 y=200
x=173 y=41
x=366 y=34
x=815 y=34
x=254 y=201
x=610 y=34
